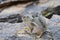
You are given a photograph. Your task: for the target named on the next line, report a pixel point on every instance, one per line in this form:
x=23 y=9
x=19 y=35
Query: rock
x=49 y=12
x=26 y=37
x=43 y=1
x=56 y=10
x=15 y=18
x=3 y=3
x=3 y=19
x=55 y=19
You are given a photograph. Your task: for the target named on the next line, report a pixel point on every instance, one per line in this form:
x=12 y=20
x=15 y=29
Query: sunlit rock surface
x=7 y=30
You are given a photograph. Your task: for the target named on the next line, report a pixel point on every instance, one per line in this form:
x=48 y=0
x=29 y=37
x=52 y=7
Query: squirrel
x=35 y=26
